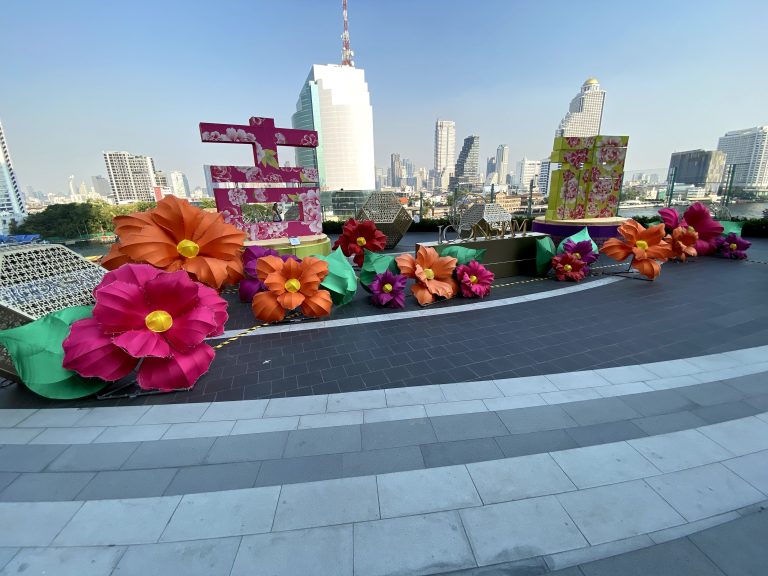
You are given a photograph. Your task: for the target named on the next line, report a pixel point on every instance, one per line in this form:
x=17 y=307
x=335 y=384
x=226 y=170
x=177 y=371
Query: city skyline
x=658 y=91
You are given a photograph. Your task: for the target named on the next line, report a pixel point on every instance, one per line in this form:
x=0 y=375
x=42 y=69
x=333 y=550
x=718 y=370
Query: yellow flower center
x=567 y=267
x=360 y=241
x=387 y=288
x=429 y=274
x=293 y=285
x=187 y=248
x=158 y=321
x=732 y=246
x=642 y=244
x=577 y=255
x=473 y=279
x=691 y=230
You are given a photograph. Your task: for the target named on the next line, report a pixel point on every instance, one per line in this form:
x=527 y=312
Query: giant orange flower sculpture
x=291 y=284
x=645 y=245
x=176 y=236
x=433 y=274
x=682 y=241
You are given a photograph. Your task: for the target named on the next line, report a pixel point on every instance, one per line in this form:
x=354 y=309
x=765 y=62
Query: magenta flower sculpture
x=732 y=246
x=151 y=318
x=388 y=289
x=474 y=279
x=581 y=251
x=697 y=215
x=670 y=217
x=567 y=267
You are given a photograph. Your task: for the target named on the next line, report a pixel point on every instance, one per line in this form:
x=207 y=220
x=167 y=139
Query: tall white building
x=445 y=152
x=528 y=170
x=747 y=150
x=131 y=177
x=179 y=184
x=12 y=205
x=502 y=163
x=585 y=113
x=335 y=101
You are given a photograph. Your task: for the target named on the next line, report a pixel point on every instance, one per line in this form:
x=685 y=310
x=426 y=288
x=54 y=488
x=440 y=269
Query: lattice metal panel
x=489 y=214
x=39 y=279
x=388 y=214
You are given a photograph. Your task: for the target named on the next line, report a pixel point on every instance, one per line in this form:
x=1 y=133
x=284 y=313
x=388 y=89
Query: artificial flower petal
x=191 y=328
x=178 y=372
x=317 y=305
x=91 y=353
x=266 y=307
x=143 y=343
x=120 y=306
x=172 y=292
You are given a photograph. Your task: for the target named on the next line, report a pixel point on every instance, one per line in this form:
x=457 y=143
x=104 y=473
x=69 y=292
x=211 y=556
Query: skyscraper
x=490 y=170
x=466 y=172
x=131 y=176
x=528 y=170
x=747 y=150
x=179 y=184
x=502 y=163
x=101 y=186
x=397 y=170
x=699 y=167
x=445 y=152
x=12 y=205
x=585 y=113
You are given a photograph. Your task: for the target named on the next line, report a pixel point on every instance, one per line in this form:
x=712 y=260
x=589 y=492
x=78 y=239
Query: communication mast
x=346 y=52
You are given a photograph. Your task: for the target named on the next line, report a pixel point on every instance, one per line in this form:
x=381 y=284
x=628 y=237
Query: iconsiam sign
x=588 y=183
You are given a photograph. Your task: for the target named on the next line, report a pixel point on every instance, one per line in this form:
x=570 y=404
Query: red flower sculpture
x=356 y=237
x=568 y=267
x=474 y=279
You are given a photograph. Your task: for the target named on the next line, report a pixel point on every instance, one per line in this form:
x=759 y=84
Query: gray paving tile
x=397 y=433
x=65 y=561
x=737 y=547
x=618 y=511
x=460 y=452
x=522 y=529
x=535 y=419
x=760 y=402
x=240 y=410
x=221 y=514
x=113 y=416
x=170 y=453
x=518 y=478
x=6 y=554
x=412 y=546
x=752 y=384
x=108 y=522
x=573 y=380
x=680 y=450
x=297 y=406
x=329 y=419
x=527 y=567
x=470 y=390
x=262 y=425
x=174 y=413
x=665 y=423
x=414 y=395
x=84 y=435
x=357 y=401
x=604 y=464
x=214 y=477
x=136 y=433
x=753 y=468
x=527 y=385
x=317 y=551
x=247 y=447
x=625 y=374
x=672 y=368
x=327 y=502
x=11 y=416
x=705 y=491
x=201 y=558
x=93 y=457
x=34 y=523
x=711 y=393
x=46 y=486
x=683 y=530
x=740 y=436
x=604 y=433
x=424 y=491
x=723 y=412
x=18 y=435
x=394 y=413
x=659 y=402
x=535 y=442
x=316 y=441
x=56 y=417
x=15 y=458
x=304 y=469
x=382 y=461
x=573 y=558
x=457 y=407
x=8 y=477
x=599 y=411
x=467 y=426
x=678 y=558
x=199 y=429
x=128 y=484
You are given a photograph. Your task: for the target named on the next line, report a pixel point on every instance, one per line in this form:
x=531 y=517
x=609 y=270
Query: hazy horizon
x=86 y=76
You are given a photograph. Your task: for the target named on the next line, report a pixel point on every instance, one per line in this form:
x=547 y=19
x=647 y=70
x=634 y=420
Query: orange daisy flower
x=645 y=245
x=177 y=235
x=433 y=274
x=291 y=284
x=682 y=241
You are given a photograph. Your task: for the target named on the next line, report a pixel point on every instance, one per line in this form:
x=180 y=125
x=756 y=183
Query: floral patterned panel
x=261 y=134
x=588 y=183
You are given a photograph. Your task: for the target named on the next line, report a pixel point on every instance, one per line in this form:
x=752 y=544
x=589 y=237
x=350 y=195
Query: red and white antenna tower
x=346 y=52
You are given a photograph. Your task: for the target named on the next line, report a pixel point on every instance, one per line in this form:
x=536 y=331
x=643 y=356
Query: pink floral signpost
x=588 y=183
x=249 y=181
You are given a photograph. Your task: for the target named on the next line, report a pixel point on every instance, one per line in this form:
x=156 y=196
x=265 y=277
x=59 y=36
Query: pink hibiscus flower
x=474 y=279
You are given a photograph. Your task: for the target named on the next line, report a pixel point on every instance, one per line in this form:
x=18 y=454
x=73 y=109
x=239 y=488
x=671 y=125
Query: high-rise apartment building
x=490 y=170
x=12 y=205
x=179 y=184
x=466 y=172
x=101 y=186
x=335 y=102
x=445 y=152
x=502 y=163
x=747 y=151
x=544 y=169
x=585 y=113
x=527 y=171
x=396 y=169
x=131 y=177
x=699 y=167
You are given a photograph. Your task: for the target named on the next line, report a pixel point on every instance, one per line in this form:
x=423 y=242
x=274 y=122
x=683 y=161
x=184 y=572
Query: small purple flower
x=581 y=250
x=388 y=289
x=732 y=246
x=252 y=255
x=249 y=287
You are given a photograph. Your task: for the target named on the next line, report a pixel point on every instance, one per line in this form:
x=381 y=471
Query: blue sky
x=82 y=76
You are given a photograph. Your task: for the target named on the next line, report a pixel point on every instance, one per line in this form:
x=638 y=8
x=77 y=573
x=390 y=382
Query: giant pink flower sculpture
x=143 y=314
x=698 y=217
